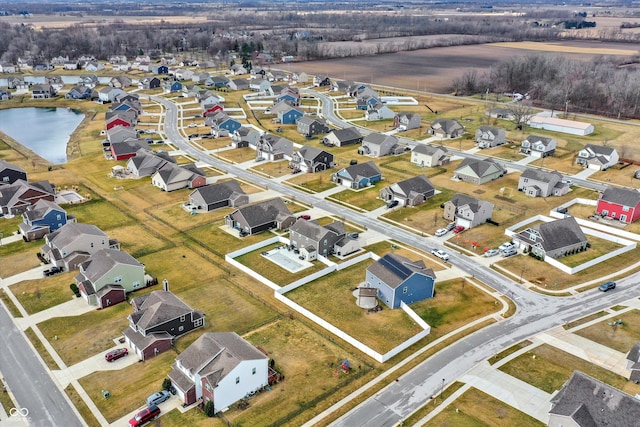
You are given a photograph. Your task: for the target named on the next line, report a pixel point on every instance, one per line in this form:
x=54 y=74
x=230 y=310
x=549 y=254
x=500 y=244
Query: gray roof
x=263 y=212
x=366 y=170
x=621 y=196
x=600 y=149
x=540 y=175
x=447 y=125
x=560 y=233
x=71 y=231
x=315 y=231
x=218 y=192
x=156 y=308
x=590 y=402
x=103 y=261
x=418 y=184
x=347 y=134
x=537 y=138
x=480 y=167
x=634 y=353
x=40 y=209
x=376 y=138
x=394 y=269
x=428 y=149
x=309 y=153
x=463 y=200
x=309 y=120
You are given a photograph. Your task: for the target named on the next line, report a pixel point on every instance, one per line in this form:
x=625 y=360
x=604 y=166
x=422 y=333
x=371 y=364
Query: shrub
x=209 y=409
x=74 y=289
x=166 y=384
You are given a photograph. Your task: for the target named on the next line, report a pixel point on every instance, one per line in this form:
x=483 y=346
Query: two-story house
x=538 y=146
x=343 y=137
x=619 y=203
x=16 y=198
x=406 y=121
x=309 y=126
x=429 y=156
x=488 y=137
x=597 y=157
x=446 y=128
x=467 y=211
x=358 y=176
x=311 y=159
x=540 y=183
x=312 y=239
x=244 y=137
x=379 y=144
x=273 y=148
x=42 y=218
x=10 y=173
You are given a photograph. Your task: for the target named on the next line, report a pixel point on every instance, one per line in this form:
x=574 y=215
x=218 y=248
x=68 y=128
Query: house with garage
x=42 y=218
x=379 y=144
x=237 y=70
x=313 y=240
x=43 y=91
x=121 y=133
x=147 y=162
x=184 y=74
x=289 y=94
x=554 y=239
x=378 y=111
x=309 y=126
x=159 y=69
x=245 y=137
x=597 y=157
x=107 y=276
x=410 y=192
x=5 y=95
x=478 y=171
x=108 y=94
x=584 y=401
x=239 y=84
x=120 y=82
x=540 y=183
x=219 y=367
x=358 y=176
x=88 y=80
x=367 y=102
x=489 y=137
x=127 y=149
x=17 y=83
x=55 y=82
x=172 y=177
x=446 y=128
x=147 y=83
x=221 y=124
x=400 y=280
x=272 y=147
x=467 y=211
x=120 y=120
x=261 y=216
x=290 y=115
x=622 y=204
x=311 y=159
x=173 y=86
x=633 y=363
x=342 y=137
x=129 y=117
x=16 y=198
x=277 y=108
x=74 y=243
x=406 y=121
x=10 y=173
x=262 y=86
x=158 y=318
x=78 y=92
x=538 y=146
x=7 y=67
x=221 y=195
x=429 y=156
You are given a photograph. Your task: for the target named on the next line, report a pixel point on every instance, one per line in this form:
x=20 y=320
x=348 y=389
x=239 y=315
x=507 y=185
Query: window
x=605 y=212
x=405 y=289
x=91 y=245
x=623 y=218
x=58 y=217
x=5 y=178
x=117 y=279
x=182 y=318
x=625 y=209
x=198 y=322
x=237 y=380
x=525 y=179
x=181 y=328
x=253 y=371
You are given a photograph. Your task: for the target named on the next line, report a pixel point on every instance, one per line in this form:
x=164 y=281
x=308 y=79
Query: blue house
x=79 y=92
x=358 y=176
x=290 y=98
x=160 y=69
x=221 y=124
x=290 y=116
x=398 y=279
x=175 y=86
x=42 y=218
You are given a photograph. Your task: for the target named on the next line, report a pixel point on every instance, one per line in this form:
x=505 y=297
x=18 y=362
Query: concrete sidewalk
x=74 y=307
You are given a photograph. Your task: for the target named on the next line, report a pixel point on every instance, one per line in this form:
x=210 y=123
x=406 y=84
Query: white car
x=441 y=232
x=441 y=254
x=506 y=245
x=192 y=125
x=491 y=252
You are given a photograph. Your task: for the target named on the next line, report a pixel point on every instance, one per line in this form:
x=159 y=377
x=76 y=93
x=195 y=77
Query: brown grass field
x=620 y=338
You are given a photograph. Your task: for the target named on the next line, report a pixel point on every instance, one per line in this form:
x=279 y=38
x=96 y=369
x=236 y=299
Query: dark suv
x=606 y=286
x=147 y=414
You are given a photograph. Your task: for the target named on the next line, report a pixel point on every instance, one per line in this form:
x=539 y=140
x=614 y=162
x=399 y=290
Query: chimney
x=165 y=285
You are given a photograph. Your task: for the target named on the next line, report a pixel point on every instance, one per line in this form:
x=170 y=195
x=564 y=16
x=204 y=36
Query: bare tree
x=521 y=112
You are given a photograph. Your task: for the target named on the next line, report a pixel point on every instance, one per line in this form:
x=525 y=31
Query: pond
x=45 y=131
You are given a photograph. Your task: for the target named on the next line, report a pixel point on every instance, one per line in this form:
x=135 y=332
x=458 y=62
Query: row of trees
x=600 y=85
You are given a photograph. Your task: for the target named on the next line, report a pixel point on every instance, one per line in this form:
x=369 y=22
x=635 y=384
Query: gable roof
x=362 y=170
x=429 y=150
x=6 y=165
x=315 y=231
x=40 y=209
x=599 y=149
x=103 y=261
x=157 y=308
x=560 y=233
x=71 y=231
x=417 y=185
x=376 y=138
x=347 y=134
x=541 y=139
x=263 y=212
x=621 y=196
x=309 y=153
x=447 y=125
x=480 y=167
x=634 y=353
x=218 y=192
x=394 y=269
x=540 y=175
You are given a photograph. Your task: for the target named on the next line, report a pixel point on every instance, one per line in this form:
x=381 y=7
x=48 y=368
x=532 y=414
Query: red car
x=458 y=229
x=305 y=216
x=147 y=414
x=116 y=354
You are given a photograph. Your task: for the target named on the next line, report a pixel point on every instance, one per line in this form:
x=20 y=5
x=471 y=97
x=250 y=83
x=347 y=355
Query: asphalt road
x=30 y=383
x=535 y=312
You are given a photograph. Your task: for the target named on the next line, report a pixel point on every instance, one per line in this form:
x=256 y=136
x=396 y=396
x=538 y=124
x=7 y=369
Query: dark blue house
x=358 y=176
x=398 y=279
x=290 y=98
x=11 y=173
x=290 y=116
x=42 y=218
x=175 y=86
x=160 y=69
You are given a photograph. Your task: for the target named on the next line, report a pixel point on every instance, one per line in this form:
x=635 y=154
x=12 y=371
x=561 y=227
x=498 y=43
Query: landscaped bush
x=74 y=289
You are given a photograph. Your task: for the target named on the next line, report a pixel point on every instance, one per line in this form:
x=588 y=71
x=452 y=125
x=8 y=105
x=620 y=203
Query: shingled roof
x=157 y=308
x=394 y=269
x=621 y=196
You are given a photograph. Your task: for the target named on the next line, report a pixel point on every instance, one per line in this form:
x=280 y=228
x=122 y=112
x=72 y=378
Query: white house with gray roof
x=538 y=146
x=540 y=183
x=489 y=136
x=554 y=239
x=404 y=121
x=379 y=111
x=429 y=156
x=273 y=147
x=478 y=171
x=312 y=239
x=244 y=137
x=446 y=128
x=220 y=367
x=342 y=137
x=410 y=192
x=467 y=211
x=597 y=157
x=378 y=144
x=358 y=176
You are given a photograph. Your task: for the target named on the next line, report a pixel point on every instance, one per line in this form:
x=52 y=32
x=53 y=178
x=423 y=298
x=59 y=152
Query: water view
x=45 y=131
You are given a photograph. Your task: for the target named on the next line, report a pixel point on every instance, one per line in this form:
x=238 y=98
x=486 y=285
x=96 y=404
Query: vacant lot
x=619 y=337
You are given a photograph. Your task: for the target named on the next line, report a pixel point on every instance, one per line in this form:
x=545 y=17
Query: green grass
x=366 y=199
x=41 y=294
x=5 y=399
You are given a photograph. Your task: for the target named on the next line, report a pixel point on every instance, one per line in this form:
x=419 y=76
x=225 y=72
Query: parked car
x=158 y=398
x=51 y=271
x=509 y=251
x=353 y=235
x=147 y=414
x=305 y=217
x=392 y=204
x=441 y=232
x=458 y=229
x=506 y=245
x=192 y=125
x=491 y=252
x=116 y=354
x=450 y=226
x=607 y=286
x=440 y=254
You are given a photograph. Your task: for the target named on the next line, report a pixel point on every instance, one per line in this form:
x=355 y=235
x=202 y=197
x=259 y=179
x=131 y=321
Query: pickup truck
x=51 y=271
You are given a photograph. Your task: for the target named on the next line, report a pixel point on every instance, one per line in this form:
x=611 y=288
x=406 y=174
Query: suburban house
x=239 y=84
x=220 y=367
x=119 y=120
x=310 y=159
x=262 y=86
x=278 y=107
x=220 y=195
x=540 y=183
x=378 y=144
x=121 y=133
x=366 y=102
x=146 y=162
x=309 y=126
x=400 y=280
x=467 y=211
x=488 y=137
x=538 y=146
x=17 y=82
x=42 y=218
x=633 y=363
x=6 y=67
x=108 y=94
x=147 y=83
x=221 y=124
x=597 y=157
x=290 y=116
x=184 y=74
x=209 y=109
x=78 y=92
x=378 y=111
x=43 y=91
x=618 y=203
x=5 y=95
x=10 y=173
x=313 y=240
x=74 y=243
x=55 y=82
x=406 y=121
x=410 y=192
x=289 y=94
x=429 y=156
x=446 y=128
x=173 y=86
x=261 y=216
x=478 y=171
x=88 y=80
x=501 y=113
x=172 y=177
x=273 y=147
x=244 y=137
x=554 y=239
x=158 y=318
x=585 y=401
x=120 y=82
x=159 y=69
x=237 y=69
x=15 y=198
x=127 y=149
x=342 y=137
x=107 y=276
x=358 y=176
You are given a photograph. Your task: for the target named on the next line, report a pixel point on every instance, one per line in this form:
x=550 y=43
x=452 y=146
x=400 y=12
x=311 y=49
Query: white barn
x=561 y=125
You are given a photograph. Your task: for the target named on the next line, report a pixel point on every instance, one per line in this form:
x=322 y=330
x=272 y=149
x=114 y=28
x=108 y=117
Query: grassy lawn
x=102 y=214
x=238 y=155
x=315 y=182
x=129 y=386
x=331 y=299
x=219 y=241
x=552 y=367
x=40 y=294
x=9 y=225
x=477 y=409
x=620 y=338
x=274 y=169
x=426 y=217
x=505 y=353
x=73 y=344
x=598 y=248
x=82 y=407
x=13 y=309
x=5 y=400
x=192 y=418
x=18 y=256
x=454 y=305
x=367 y=199
x=42 y=351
